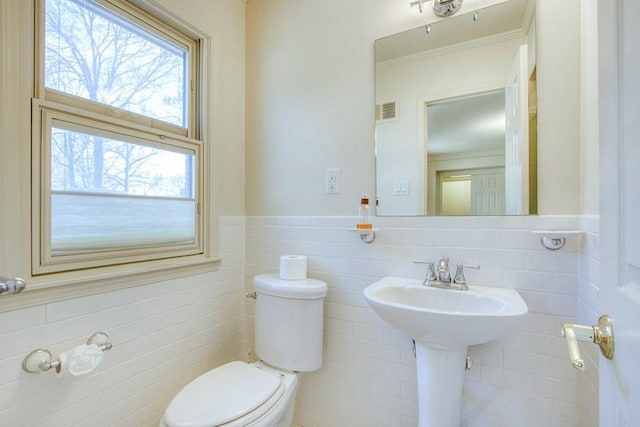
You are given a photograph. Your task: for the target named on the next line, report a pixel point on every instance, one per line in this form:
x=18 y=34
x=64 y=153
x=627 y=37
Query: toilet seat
x=232 y=395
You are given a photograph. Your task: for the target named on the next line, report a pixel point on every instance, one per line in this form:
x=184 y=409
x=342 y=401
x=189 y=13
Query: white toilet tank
x=289 y=322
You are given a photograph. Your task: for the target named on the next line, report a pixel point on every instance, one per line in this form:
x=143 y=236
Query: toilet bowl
x=234 y=395
x=288 y=340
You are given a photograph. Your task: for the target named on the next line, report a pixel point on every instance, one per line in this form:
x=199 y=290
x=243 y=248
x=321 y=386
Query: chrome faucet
x=442 y=279
x=444 y=275
x=459 y=277
x=431 y=276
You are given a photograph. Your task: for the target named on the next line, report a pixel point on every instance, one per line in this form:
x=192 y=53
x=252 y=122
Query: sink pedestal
x=440 y=380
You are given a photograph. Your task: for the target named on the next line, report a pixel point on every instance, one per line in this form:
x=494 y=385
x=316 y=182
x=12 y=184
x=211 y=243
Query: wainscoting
x=368 y=378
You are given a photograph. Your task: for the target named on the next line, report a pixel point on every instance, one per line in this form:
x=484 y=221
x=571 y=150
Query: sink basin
x=443 y=323
x=445 y=318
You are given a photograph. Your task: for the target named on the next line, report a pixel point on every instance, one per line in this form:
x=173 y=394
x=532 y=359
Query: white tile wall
x=164 y=335
x=368 y=377
x=167 y=333
x=588 y=311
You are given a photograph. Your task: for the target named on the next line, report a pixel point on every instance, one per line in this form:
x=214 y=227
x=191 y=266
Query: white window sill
x=75 y=284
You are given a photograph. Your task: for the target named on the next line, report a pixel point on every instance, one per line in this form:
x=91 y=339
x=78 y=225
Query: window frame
x=134 y=265
x=142 y=19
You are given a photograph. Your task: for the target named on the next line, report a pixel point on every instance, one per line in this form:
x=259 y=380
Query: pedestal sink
x=444 y=323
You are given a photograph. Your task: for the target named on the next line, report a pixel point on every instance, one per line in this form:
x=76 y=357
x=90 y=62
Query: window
x=118 y=157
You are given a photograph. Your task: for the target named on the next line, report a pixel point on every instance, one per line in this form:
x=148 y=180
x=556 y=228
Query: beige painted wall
x=310 y=105
x=224 y=21
x=589 y=159
x=310 y=102
x=558 y=40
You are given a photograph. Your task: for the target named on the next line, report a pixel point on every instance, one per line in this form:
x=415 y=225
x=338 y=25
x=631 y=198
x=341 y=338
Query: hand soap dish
x=555 y=239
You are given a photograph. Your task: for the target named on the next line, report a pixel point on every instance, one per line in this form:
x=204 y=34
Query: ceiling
x=470 y=124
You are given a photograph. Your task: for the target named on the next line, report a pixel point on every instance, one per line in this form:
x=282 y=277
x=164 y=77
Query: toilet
x=288 y=340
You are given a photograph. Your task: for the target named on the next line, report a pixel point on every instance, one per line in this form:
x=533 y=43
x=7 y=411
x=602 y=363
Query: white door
x=487 y=192
x=516 y=161
x=619 y=58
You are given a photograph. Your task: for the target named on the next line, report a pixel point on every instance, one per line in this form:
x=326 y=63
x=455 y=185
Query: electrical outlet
x=332 y=181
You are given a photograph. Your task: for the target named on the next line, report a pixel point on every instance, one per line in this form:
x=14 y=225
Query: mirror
x=456 y=115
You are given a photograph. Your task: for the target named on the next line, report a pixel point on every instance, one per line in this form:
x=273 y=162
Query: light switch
x=401 y=187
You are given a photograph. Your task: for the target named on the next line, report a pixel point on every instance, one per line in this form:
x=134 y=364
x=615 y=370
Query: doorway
x=470 y=192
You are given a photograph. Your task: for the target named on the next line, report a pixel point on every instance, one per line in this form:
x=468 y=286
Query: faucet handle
x=419 y=261
x=431 y=272
x=459 y=277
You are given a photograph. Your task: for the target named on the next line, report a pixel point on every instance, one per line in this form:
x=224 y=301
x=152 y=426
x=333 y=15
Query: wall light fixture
x=442 y=8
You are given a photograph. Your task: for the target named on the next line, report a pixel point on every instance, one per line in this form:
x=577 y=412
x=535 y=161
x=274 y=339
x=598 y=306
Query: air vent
x=386 y=111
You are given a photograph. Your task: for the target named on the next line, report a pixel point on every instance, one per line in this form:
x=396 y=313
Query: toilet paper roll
x=293 y=267
x=79 y=360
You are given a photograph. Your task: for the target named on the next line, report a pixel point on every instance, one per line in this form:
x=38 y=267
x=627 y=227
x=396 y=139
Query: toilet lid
x=222 y=395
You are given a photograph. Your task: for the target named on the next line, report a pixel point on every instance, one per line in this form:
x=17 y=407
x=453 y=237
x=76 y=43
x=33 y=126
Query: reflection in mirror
x=465 y=155
x=456 y=116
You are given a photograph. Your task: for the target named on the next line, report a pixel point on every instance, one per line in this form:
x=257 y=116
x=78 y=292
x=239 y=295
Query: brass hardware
x=601 y=334
x=604 y=336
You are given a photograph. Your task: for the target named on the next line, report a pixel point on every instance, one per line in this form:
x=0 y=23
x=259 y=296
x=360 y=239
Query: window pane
x=87 y=162
x=111 y=193
x=94 y=54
